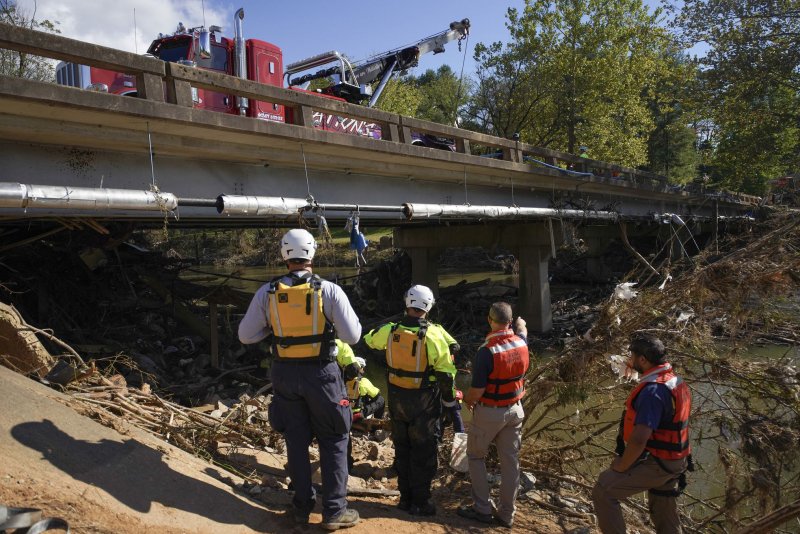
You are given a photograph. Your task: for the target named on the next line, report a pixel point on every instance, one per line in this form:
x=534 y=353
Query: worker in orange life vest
x=498 y=386
x=654 y=451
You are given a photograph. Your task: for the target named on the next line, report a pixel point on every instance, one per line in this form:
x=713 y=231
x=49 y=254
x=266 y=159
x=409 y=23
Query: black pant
x=373 y=406
x=310 y=401
x=415 y=432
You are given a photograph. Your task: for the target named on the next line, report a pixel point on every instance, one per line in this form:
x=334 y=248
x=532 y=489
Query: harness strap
x=667 y=446
x=408 y=374
x=680 y=425
x=680 y=477
x=288 y=341
x=503 y=396
x=501 y=381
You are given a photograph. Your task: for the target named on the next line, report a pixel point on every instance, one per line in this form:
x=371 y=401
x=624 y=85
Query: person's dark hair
x=500 y=312
x=650 y=347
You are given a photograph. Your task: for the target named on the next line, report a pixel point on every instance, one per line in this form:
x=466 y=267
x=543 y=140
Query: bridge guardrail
x=149 y=71
x=173 y=83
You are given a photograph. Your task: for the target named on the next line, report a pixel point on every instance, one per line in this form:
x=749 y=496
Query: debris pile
x=711 y=310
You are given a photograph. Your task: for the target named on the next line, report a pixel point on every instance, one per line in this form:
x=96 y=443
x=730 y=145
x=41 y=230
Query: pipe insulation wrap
x=259 y=206
x=500 y=212
x=14 y=195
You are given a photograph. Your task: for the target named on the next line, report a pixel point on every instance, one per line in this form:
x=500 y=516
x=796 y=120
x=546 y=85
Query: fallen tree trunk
x=20 y=349
x=772 y=520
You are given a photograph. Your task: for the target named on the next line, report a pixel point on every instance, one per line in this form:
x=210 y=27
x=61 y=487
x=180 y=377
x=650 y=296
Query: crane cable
x=460 y=79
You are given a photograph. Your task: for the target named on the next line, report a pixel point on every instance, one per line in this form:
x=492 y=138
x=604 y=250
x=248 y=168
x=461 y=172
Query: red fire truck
x=257 y=60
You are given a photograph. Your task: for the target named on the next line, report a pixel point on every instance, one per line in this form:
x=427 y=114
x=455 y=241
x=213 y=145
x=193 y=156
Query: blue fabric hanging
x=358 y=241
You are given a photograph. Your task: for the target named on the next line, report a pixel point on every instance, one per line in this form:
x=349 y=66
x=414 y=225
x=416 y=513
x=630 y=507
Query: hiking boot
x=425 y=509
x=497 y=519
x=502 y=522
x=346 y=518
x=469 y=512
x=298 y=515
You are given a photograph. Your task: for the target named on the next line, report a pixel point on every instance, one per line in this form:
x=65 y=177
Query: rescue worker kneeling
x=653 y=445
x=365 y=399
x=421 y=381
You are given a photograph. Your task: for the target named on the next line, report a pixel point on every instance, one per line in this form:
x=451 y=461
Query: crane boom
x=353 y=82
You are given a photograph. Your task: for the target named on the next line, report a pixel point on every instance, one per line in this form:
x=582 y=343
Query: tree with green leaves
x=672 y=144
x=436 y=96
x=575 y=72
x=750 y=86
x=400 y=96
x=22 y=64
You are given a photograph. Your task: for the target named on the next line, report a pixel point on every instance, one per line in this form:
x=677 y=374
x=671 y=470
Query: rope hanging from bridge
x=309 y=196
x=513 y=202
x=150 y=145
x=466 y=196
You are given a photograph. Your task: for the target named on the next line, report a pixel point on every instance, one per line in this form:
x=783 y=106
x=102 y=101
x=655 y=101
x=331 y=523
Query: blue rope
x=530 y=159
x=565 y=171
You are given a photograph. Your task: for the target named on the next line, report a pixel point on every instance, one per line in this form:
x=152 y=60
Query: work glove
x=357 y=416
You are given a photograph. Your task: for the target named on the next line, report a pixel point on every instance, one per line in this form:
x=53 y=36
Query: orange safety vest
x=407 y=357
x=670 y=441
x=506 y=383
x=299 y=326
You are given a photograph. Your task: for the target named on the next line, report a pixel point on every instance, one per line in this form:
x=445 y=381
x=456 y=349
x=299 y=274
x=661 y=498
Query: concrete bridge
x=68 y=152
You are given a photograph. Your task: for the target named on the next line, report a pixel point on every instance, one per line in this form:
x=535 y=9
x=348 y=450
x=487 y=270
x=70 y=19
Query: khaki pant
x=503 y=426
x=611 y=487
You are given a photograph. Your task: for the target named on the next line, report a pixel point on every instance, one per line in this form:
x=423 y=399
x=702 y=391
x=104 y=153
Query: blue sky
x=301 y=28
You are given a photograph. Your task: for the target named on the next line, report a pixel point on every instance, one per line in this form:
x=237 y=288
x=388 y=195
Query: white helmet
x=420 y=297
x=298 y=244
x=361 y=361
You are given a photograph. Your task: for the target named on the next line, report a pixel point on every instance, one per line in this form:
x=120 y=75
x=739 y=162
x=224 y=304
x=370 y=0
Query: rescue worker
x=420 y=381
x=583 y=152
x=453 y=414
x=303 y=314
x=365 y=399
x=654 y=451
x=495 y=398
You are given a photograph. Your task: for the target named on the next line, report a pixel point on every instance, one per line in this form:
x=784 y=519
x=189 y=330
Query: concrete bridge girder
x=531 y=243
x=45 y=118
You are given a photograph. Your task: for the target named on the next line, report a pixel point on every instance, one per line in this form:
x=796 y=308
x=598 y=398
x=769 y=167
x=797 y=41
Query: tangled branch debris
x=711 y=314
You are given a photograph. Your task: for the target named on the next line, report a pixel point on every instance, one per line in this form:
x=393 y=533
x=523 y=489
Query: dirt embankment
x=123 y=481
